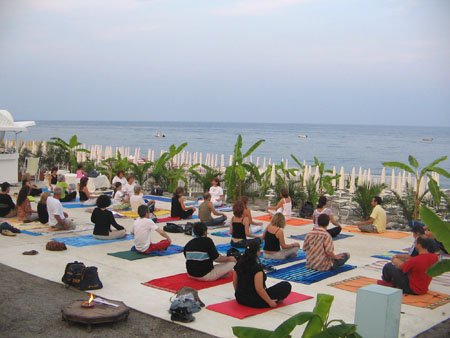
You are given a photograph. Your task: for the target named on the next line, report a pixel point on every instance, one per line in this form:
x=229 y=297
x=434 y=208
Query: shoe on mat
x=384 y=283
x=6 y=232
x=30 y=253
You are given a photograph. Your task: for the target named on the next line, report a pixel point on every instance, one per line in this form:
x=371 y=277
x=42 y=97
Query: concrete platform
x=122 y=279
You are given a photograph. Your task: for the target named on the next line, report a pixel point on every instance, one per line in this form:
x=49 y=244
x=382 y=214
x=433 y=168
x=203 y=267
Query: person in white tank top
x=284 y=206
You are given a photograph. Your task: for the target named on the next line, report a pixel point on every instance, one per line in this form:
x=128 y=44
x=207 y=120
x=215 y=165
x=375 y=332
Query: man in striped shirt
x=320 y=249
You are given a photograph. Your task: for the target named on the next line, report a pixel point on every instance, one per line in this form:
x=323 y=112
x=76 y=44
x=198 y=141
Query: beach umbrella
x=333 y=181
x=341 y=179
x=270 y=160
x=369 y=177
x=222 y=161
x=272 y=175
x=383 y=175
x=230 y=161
x=257 y=161
x=399 y=184
x=264 y=164
x=215 y=160
x=360 y=176
x=393 y=180
x=149 y=154
x=135 y=156
x=286 y=165
x=153 y=156
x=251 y=158
x=409 y=179
x=316 y=173
x=403 y=180
x=200 y=159
x=352 y=181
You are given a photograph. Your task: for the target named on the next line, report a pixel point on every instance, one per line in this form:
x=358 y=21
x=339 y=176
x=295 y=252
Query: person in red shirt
x=411 y=276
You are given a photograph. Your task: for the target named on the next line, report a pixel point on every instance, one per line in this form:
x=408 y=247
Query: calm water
x=339 y=145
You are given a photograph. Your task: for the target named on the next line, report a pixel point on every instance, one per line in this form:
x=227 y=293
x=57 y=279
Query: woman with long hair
x=103 y=219
x=240 y=228
x=284 y=206
x=322 y=209
x=42 y=208
x=178 y=208
x=254 y=225
x=34 y=189
x=24 y=211
x=86 y=197
x=119 y=200
x=249 y=281
x=275 y=246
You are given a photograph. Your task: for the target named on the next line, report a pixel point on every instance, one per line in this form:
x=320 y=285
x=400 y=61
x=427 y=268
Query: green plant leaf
x=439 y=228
x=342 y=330
x=322 y=308
x=297 y=161
x=250 y=332
x=440 y=171
x=434 y=190
x=253 y=148
x=435 y=162
x=400 y=165
x=285 y=328
x=412 y=160
x=439 y=268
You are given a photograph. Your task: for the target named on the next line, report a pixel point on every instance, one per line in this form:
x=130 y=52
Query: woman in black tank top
x=240 y=228
x=275 y=247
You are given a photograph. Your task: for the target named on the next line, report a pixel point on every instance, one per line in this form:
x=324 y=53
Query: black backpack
x=188 y=228
x=81 y=277
x=172 y=227
x=307 y=210
x=156 y=191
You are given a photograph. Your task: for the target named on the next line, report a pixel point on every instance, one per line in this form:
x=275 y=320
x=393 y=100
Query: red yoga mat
x=168 y=219
x=234 y=309
x=175 y=282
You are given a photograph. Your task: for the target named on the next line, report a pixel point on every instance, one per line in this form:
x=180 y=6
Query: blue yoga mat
x=30 y=233
x=77 y=205
x=76 y=200
x=223 y=248
x=389 y=257
x=88 y=240
x=303 y=236
x=226 y=233
x=158 y=198
x=224 y=209
x=299 y=273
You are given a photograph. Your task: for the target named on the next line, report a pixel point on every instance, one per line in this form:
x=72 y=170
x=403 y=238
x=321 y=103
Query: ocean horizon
x=337 y=145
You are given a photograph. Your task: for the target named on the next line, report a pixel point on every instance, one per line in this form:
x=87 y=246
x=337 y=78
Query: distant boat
x=427 y=139
x=303 y=136
x=159 y=134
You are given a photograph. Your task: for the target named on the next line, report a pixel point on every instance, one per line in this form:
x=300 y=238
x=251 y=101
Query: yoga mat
x=226 y=233
x=31 y=226
x=161 y=212
x=158 y=198
x=299 y=273
x=233 y=309
x=76 y=200
x=292 y=221
x=223 y=248
x=303 y=236
x=388 y=234
x=388 y=255
x=77 y=205
x=31 y=233
x=172 y=219
x=88 y=240
x=175 y=282
x=443 y=279
x=129 y=214
x=224 y=209
x=133 y=255
x=430 y=300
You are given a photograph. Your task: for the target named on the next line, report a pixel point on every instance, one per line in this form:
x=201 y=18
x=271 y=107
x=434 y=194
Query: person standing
x=377 y=221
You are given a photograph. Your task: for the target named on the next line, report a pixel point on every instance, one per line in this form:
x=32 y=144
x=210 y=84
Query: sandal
x=30 y=253
x=6 y=232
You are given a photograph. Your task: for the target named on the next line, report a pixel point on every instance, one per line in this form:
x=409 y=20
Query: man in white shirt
x=136 y=200
x=57 y=218
x=142 y=228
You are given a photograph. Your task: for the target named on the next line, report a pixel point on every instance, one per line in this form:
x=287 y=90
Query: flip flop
x=6 y=232
x=30 y=253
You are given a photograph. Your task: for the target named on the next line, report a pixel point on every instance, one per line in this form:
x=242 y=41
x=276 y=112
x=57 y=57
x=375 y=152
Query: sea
x=349 y=146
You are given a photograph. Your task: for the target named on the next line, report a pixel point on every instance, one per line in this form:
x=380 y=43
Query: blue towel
x=26 y=232
x=387 y=256
x=77 y=205
x=223 y=248
x=224 y=209
x=76 y=200
x=171 y=250
x=226 y=233
x=158 y=198
x=302 y=237
x=299 y=273
x=88 y=240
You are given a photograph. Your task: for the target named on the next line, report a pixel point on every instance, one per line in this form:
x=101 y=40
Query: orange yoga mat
x=292 y=221
x=388 y=234
x=430 y=300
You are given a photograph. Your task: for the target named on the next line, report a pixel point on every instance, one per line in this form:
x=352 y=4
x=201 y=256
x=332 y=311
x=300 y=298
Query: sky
x=382 y=62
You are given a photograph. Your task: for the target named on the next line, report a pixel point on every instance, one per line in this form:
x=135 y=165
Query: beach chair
x=32 y=167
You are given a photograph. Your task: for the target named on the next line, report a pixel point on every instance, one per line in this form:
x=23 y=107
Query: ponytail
x=116 y=185
x=322 y=202
x=250 y=256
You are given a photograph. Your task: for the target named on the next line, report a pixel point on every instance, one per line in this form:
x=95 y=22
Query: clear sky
x=317 y=61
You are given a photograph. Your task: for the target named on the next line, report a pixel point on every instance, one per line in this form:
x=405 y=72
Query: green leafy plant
x=324 y=181
x=311 y=190
x=441 y=231
x=140 y=171
x=317 y=326
x=205 y=178
x=70 y=148
x=363 y=196
x=407 y=203
x=413 y=168
x=235 y=174
x=111 y=166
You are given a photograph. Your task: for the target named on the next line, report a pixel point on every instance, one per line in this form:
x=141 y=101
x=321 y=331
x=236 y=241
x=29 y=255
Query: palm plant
x=324 y=181
x=311 y=190
x=363 y=196
x=70 y=148
x=140 y=171
x=407 y=203
x=204 y=179
x=112 y=165
x=413 y=168
x=235 y=174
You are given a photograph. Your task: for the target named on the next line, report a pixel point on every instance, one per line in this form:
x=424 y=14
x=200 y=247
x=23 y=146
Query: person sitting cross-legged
x=103 y=219
x=200 y=254
x=136 y=200
x=142 y=229
x=411 y=276
x=275 y=246
x=57 y=218
x=377 y=220
x=320 y=249
x=206 y=208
